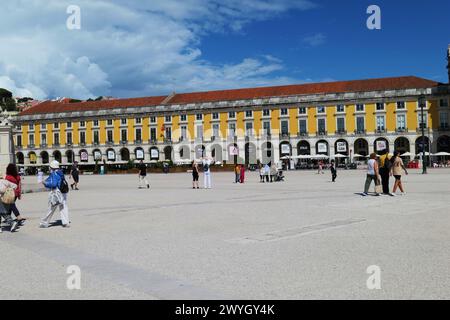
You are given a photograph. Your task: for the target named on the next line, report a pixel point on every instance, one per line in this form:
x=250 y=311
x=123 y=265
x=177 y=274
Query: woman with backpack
x=12 y=175
x=7 y=196
x=57 y=197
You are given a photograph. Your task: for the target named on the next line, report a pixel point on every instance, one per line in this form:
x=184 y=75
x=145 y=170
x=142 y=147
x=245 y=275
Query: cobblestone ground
x=306 y=238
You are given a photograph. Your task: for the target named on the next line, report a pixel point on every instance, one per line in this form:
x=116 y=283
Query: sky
x=155 y=47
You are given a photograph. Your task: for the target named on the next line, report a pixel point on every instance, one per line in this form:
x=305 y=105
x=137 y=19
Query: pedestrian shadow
x=57 y=223
x=363 y=195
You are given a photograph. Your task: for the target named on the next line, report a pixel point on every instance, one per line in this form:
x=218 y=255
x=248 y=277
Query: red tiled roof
x=56 y=107
x=239 y=94
x=302 y=89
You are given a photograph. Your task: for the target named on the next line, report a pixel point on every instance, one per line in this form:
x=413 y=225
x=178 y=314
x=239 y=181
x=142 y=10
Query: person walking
x=7 y=193
x=13 y=176
x=237 y=173
x=333 y=171
x=143 y=175
x=385 y=171
x=320 y=170
x=206 y=162
x=57 y=196
x=242 y=173
x=397 y=169
x=373 y=174
x=194 y=175
x=75 y=174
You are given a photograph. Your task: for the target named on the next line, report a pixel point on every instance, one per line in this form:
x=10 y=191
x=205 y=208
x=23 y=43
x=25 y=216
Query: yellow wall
x=102 y=131
x=293 y=121
x=89 y=137
x=350 y=119
x=411 y=115
x=176 y=133
x=433 y=114
x=257 y=122
x=190 y=127
x=63 y=134
x=275 y=123
x=223 y=124
x=76 y=133
x=37 y=135
x=145 y=129
x=240 y=126
x=370 y=117
x=207 y=127
x=130 y=129
x=116 y=132
x=312 y=121
x=331 y=119
x=391 y=116
x=25 y=136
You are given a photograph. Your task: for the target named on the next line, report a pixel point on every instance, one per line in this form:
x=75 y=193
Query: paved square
x=306 y=238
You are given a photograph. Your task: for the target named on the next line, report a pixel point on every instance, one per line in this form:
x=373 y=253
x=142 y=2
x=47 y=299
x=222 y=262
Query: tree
x=10 y=104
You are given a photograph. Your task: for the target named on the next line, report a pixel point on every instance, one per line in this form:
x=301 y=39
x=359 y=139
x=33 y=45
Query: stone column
x=6 y=145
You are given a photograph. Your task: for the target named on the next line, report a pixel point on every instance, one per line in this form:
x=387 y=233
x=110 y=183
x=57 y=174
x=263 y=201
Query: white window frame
x=384 y=123
x=356 y=122
x=397 y=122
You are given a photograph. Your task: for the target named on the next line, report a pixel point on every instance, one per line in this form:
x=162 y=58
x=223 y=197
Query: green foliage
x=8 y=104
x=25 y=99
x=74 y=100
x=5 y=94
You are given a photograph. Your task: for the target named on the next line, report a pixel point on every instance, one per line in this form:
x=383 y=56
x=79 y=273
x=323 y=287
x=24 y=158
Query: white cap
x=54 y=164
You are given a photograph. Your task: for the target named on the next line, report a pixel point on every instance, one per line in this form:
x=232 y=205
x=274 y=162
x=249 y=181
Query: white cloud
x=315 y=40
x=132 y=48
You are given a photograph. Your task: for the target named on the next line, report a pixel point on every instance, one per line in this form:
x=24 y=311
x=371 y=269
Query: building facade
x=245 y=125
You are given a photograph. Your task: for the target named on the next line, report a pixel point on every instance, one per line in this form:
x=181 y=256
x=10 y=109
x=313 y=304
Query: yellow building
x=351 y=118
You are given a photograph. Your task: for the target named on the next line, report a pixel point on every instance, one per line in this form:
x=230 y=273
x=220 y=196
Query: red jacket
x=15 y=180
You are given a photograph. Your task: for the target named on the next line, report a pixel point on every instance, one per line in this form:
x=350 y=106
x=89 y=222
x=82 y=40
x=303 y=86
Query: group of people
x=379 y=171
x=206 y=163
x=239 y=172
x=11 y=191
x=269 y=172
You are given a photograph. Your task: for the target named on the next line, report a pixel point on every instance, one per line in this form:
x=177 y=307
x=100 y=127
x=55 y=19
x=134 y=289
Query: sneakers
x=14 y=226
x=43 y=225
x=364 y=194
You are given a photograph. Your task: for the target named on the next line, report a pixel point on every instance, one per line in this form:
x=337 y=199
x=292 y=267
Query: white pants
x=63 y=210
x=143 y=179
x=207 y=180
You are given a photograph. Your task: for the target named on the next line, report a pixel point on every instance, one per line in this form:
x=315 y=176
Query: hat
x=54 y=164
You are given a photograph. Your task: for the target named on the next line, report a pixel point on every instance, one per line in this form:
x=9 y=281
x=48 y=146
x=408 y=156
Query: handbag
x=9 y=197
x=55 y=197
x=378 y=187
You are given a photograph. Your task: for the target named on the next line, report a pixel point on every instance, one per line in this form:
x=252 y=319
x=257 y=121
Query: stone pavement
x=306 y=238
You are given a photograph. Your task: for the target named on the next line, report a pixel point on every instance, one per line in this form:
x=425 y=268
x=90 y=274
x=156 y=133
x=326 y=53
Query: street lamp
x=422 y=104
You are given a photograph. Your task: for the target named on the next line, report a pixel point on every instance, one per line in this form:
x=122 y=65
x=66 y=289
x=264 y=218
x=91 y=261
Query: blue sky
x=412 y=41
x=140 y=48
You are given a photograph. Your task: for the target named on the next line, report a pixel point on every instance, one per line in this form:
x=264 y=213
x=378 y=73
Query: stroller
x=279 y=177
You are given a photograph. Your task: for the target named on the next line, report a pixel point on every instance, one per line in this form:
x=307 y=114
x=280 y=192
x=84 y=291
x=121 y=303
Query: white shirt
x=371 y=167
